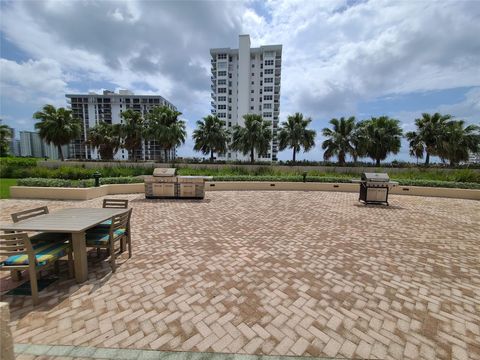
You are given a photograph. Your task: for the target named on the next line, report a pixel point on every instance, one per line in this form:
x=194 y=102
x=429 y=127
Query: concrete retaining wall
x=59 y=193
x=56 y=193
x=340 y=187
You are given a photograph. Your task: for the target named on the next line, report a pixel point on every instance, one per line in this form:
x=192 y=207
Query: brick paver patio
x=277 y=273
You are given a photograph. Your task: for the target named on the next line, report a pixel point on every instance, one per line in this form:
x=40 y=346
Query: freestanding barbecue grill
x=374 y=188
x=165 y=184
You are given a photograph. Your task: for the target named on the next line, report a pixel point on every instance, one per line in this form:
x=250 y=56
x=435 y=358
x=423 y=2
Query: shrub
x=45 y=182
x=121 y=180
x=9 y=164
x=42 y=182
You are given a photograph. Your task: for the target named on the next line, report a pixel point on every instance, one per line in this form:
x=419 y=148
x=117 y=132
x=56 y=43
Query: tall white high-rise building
x=31 y=145
x=247 y=81
x=93 y=108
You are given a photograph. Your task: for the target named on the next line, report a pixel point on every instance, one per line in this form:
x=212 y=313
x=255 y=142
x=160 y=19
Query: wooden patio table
x=73 y=221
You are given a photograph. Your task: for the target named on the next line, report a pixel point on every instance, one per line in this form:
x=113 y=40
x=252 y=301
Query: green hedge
x=20 y=168
x=70 y=172
x=42 y=182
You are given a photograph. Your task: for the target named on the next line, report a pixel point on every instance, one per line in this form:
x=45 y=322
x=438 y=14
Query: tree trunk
x=60 y=152
x=427 y=158
x=166 y=155
x=252 y=155
x=377 y=162
x=341 y=158
x=355 y=158
x=294 y=154
x=211 y=155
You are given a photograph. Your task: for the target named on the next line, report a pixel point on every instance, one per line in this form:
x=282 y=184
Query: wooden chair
x=17 y=254
x=103 y=238
x=27 y=214
x=115 y=203
x=112 y=204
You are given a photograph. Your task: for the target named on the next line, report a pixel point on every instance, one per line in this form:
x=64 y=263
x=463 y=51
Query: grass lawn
x=5 y=187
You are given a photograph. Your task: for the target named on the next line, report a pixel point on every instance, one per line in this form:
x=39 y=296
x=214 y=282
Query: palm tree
x=256 y=135
x=106 y=138
x=357 y=143
x=379 y=137
x=430 y=129
x=210 y=136
x=416 y=145
x=163 y=126
x=295 y=135
x=339 y=140
x=57 y=126
x=131 y=131
x=457 y=141
x=5 y=137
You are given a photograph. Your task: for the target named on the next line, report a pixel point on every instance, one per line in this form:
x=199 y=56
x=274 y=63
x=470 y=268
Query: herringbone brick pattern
x=281 y=273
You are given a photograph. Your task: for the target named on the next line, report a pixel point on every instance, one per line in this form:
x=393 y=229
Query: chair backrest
x=115 y=203
x=26 y=214
x=120 y=221
x=16 y=244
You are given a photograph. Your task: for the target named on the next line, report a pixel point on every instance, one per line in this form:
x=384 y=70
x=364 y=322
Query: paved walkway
x=277 y=273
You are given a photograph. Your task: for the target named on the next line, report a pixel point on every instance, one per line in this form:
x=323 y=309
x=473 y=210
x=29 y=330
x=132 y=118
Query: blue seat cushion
x=102 y=226
x=50 y=237
x=100 y=237
x=45 y=253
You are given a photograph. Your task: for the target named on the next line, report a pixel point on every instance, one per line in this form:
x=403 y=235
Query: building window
x=222 y=90
x=268 y=88
x=267 y=106
x=252 y=99
x=222 y=73
x=268 y=71
x=222 y=65
x=222 y=107
x=267 y=114
x=222 y=115
x=269 y=62
x=252 y=91
x=267 y=97
x=253 y=65
x=251 y=107
x=268 y=80
x=222 y=82
x=253 y=83
x=222 y=98
x=222 y=57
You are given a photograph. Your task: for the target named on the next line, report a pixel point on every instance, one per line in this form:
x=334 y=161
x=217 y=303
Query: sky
x=340 y=57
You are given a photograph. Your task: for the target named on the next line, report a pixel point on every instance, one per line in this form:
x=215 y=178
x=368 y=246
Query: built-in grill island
x=166 y=184
x=374 y=188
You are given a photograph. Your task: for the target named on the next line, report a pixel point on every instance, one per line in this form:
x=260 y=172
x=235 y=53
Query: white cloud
x=337 y=55
x=37 y=82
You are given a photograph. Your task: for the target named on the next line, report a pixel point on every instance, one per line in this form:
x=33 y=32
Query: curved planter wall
x=56 y=193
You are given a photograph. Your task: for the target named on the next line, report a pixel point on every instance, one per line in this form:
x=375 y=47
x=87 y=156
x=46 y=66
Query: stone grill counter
x=165 y=184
